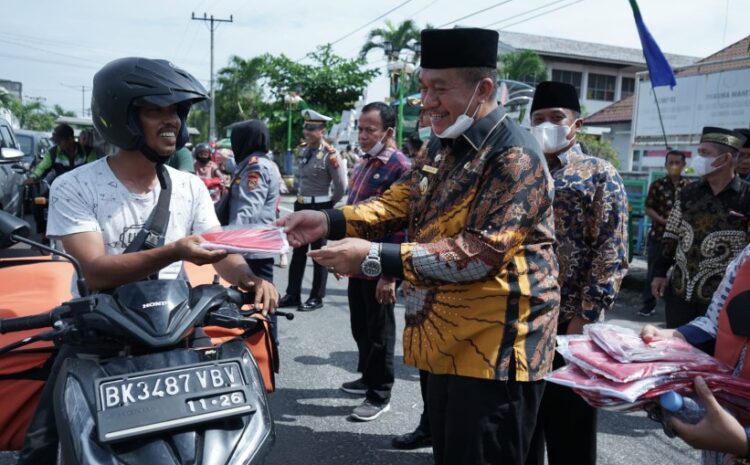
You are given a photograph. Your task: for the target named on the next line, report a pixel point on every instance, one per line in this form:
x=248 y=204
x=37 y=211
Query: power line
x=52 y=52
x=540 y=14
x=503 y=2
x=349 y=34
x=59 y=43
x=423 y=8
x=371 y=22
x=48 y=62
x=523 y=13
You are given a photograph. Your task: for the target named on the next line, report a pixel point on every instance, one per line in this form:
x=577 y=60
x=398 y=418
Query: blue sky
x=55 y=46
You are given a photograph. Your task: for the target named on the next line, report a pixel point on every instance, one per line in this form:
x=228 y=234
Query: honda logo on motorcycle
x=158 y=303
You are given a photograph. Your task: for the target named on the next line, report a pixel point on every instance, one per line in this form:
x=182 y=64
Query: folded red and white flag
x=252 y=240
x=612 y=368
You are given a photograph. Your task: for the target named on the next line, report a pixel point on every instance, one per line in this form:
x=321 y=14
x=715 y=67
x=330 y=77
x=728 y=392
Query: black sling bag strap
x=152 y=234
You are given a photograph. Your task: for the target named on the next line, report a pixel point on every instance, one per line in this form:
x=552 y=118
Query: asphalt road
x=311 y=413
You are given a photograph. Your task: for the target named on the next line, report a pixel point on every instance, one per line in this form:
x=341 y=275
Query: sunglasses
x=312 y=126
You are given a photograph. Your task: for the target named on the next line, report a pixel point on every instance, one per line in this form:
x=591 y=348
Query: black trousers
x=479 y=421
x=263 y=268
x=679 y=311
x=424 y=419
x=653 y=251
x=567 y=424
x=299 y=260
x=374 y=330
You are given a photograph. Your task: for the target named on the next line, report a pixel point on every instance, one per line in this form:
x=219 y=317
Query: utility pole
x=83 y=96
x=213 y=24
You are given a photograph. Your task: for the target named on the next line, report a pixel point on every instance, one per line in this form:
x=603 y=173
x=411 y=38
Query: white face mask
x=551 y=137
x=425 y=133
x=379 y=146
x=462 y=123
x=702 y=165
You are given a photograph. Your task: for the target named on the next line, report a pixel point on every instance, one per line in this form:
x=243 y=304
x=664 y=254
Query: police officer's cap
x=312 y=116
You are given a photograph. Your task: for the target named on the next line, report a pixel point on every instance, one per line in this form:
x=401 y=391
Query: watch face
x=371 y=268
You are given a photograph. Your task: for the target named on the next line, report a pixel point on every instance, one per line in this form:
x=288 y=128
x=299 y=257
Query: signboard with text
x=716 y=99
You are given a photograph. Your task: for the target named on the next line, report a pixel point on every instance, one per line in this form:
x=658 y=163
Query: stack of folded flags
x=613 y=368
x=255 y=240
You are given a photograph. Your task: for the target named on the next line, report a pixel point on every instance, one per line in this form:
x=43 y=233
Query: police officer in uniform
x=319 y=167
x=255 y=191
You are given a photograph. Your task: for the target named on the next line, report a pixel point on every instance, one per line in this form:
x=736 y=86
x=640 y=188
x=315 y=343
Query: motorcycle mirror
x=8 y=154
x=12 y=227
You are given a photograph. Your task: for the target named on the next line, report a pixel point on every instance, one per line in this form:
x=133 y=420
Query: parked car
x=11 y=182
x=34 y=144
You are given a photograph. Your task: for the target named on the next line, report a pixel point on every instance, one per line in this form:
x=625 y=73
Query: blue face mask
x=425 y=133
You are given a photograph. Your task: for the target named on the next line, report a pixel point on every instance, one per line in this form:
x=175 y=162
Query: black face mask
x=738 y=312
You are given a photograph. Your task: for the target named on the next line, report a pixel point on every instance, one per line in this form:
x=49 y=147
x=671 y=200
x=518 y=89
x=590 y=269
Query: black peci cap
x=459 y=48
x=553 y=94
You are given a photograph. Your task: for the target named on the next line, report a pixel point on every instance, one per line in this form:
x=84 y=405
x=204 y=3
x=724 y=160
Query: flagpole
x=661 y=121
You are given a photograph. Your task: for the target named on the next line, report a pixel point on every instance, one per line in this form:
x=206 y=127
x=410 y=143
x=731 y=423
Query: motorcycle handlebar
x=9 y=325
x=44 y=320
x=242 y=298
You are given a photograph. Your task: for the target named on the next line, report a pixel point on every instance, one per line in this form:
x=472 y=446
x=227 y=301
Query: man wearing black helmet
x=140 y=106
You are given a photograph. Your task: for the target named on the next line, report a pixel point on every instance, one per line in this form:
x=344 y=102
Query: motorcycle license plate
x=146 y=402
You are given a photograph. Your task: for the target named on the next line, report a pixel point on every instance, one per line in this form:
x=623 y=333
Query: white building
x=602 y=74
x=714 y=91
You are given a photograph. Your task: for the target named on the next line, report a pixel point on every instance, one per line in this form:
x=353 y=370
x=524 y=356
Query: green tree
x=256 y=87
x=33 y=115
x=239 y=94
x=599 y=147
x=523 y=65
x=330 y=85
x=58 y=111
x=402 y=36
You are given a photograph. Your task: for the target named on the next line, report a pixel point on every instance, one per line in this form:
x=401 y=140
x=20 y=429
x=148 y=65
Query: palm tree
x=523 y=65
x=392 y=39
x=400 y=37
x=239 y=93
x=58 y=111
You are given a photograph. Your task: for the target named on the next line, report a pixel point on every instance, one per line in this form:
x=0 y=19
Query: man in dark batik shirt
x=706 y=229
x=662 y=194
x=591 y=217
x=481 y=311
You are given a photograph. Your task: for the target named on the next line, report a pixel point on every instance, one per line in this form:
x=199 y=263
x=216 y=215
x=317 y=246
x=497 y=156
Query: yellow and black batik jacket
x=478 y=211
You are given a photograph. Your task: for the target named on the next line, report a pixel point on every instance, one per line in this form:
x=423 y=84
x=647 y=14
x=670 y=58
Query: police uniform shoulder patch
x=253 y=178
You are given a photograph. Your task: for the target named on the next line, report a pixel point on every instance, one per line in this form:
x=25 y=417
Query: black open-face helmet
x=122 y=85
x=202 y=148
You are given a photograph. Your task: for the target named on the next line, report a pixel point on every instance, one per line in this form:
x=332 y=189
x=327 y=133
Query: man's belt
x=303 y=199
